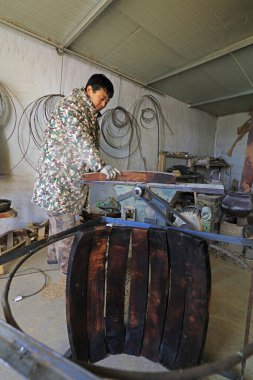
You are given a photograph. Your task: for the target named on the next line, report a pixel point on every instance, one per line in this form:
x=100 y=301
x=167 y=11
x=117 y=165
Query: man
x=71 y=148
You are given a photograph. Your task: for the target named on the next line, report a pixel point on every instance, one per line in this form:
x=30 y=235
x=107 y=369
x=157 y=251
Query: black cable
x=20 y=274
x=37 y=270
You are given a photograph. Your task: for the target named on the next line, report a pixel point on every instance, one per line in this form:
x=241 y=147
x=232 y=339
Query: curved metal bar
x=34 y=247
x=200 y=371
x=193 y=373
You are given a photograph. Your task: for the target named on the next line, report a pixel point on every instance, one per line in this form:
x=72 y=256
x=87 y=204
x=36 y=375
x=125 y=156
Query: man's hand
x=110 y=172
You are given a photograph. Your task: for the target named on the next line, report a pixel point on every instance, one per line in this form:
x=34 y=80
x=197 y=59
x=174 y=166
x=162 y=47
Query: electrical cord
x=36 y=270
x=20 y=274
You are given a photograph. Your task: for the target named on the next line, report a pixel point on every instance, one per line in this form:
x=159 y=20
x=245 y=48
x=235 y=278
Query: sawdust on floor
x=55 y=289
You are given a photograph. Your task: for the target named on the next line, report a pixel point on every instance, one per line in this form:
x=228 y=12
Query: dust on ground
x=55 y=289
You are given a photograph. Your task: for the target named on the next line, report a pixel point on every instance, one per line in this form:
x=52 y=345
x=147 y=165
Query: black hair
x=98 y=81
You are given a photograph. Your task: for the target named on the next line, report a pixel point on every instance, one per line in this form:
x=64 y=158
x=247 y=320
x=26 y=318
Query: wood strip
x=1 y=266
x=96 y=295
x=76 y=294
x=9 y=240
x=158 y=289
x=115 y=298
x=198 y=291
x=134 y=176
x=138 y=292
x=161 y=162
x=176 y=302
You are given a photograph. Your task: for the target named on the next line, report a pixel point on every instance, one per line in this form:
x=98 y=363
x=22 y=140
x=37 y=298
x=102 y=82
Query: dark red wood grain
x=138 y=292
x=158 y=291
x=134 y=176
x=115 y=296
x=96 y=295
x=170 y=287
x=76 y=294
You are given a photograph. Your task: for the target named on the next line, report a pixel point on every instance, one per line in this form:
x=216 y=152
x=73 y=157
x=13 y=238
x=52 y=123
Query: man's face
x=99 y=98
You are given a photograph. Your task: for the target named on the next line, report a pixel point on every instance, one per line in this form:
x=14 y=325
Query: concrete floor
x=43 y=315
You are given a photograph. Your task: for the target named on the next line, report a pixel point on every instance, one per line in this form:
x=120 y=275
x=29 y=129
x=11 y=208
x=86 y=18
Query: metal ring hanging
x=6 y=107
x=114 y=129
x=37 y=119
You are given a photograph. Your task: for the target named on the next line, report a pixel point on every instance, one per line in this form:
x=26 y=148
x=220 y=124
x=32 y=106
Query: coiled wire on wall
x=7 y=107
x=121 y=131
x=37 y=115
x=153 y=116
x=118 y=129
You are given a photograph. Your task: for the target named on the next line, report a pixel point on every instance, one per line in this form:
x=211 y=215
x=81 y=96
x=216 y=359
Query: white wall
x=225 y=136
x=31 y=69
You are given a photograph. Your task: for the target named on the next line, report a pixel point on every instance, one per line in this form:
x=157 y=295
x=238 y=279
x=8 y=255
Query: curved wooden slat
x=76 y=294
x=115 y=297
x=158 y=290
x=138 y=292
x=198 y=291
x=184 y=339
x=95 y=295
x=168 y=312
x=176 y=303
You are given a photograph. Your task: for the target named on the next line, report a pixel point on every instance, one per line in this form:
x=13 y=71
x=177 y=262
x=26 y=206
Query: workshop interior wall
x=225 y=136
x=31 y=69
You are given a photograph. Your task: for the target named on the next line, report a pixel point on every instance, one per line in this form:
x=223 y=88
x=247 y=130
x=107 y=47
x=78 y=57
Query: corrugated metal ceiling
x=198 y=51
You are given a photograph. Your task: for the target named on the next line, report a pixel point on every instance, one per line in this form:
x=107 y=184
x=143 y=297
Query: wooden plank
x=76 y=294
x=158 y=288
x=187 y=313
x=176 y=302
x=1 y=266
x=115 y=297
x=138 y=292
x=161 y=162
x=41 y=233
x=134 y=177
x=198 y=291
x=96 y=295
x=9 y=240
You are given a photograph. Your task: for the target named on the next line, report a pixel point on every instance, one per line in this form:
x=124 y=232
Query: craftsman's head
x=100 y=90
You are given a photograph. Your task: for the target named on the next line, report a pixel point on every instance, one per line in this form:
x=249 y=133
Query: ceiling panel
x=53 y=20
x=218 y=78
x=195 y=50
x=102 y=37
x=229 y=106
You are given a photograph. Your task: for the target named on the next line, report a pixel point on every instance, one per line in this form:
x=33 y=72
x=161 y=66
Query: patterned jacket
x=71 y=148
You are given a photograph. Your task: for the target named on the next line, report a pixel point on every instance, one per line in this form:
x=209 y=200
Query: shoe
x=52 y=261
